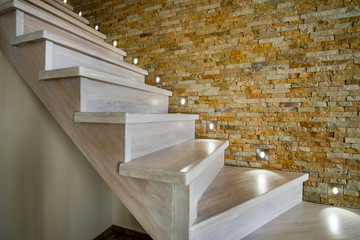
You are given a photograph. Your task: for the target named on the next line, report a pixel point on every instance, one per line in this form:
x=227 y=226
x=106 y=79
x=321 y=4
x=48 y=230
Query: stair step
x=145 y=133
x=102 y=92
x=35 y=19
x=94 y=51
x=180 y=163
x=59 y=2
x=243 y=199
x=53 y=6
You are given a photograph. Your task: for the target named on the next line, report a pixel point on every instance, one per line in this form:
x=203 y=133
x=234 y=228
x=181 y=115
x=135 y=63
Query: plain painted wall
x=48 y=190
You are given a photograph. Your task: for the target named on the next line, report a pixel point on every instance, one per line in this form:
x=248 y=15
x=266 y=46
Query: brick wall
x=282 y=75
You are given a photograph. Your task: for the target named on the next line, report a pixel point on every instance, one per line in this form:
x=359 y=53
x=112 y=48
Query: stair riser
x=246 y=218
x=202 y=182
x=145 y=138
x=63 y=57
x=97 y=96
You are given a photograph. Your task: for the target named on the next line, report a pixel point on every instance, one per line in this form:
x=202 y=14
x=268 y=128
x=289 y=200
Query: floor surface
x=312 y=221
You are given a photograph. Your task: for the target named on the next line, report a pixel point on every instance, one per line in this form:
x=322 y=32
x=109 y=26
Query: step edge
x=184 y=178
x=301 y=178
x=100 y=76
x=130 y=118
x=165 y=176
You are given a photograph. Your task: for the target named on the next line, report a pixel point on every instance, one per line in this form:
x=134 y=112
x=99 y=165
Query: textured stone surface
x=282 y=75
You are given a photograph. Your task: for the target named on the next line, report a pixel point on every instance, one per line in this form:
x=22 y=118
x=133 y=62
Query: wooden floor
x=312 y=221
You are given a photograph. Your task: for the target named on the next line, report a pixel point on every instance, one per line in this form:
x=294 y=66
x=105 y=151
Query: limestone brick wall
x=275 y=74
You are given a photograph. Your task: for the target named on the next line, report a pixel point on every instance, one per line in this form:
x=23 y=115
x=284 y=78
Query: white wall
x=48 y=190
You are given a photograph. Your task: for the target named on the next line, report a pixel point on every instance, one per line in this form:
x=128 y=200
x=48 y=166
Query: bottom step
x=312 y=221
x=241 y=200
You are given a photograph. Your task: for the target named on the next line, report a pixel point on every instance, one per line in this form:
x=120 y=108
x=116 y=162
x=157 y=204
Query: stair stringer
x=152 y=203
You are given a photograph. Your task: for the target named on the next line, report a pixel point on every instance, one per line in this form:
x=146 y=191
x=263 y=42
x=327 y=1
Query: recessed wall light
x=135 y=60
x=183 y=101
x=96 y=27
x=262 y=154
x=80 y=13
x=157 y=80
x=65 y=1
x=115 y=43
x=335 y=190
x=211 y=126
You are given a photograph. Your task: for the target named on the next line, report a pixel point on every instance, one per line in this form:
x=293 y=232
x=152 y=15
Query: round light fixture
x=335 y=190
x=136 y=61
x=211 y=126
x=96 y=27
x=80 y=13
x=115 y=43
x=157 y=79
x=262 y=154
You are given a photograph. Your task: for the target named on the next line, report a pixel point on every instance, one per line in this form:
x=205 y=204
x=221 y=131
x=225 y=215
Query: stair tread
x=62 y=41
x=235 y=186
x=311 y=221
x=180 y=163
x=124 y=117
x=50 y=5
x=100 y=76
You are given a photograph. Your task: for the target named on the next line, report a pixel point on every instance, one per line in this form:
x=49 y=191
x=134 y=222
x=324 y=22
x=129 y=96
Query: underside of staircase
x=175 y=185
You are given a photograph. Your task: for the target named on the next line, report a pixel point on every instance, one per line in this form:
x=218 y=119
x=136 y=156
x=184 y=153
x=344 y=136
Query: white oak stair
x=176 y=186
x=103 y=92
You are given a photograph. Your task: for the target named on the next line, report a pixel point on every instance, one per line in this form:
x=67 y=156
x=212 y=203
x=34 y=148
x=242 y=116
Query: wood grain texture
x=148 y=202
x=79 y=71
x=65 y=58
x=201 y=183
x=246 y=196
x=124 y=117
x=181 y=163
x=150 y=137
x=311 y=221
x=63 y=8
x=106 y=97
x=229 y=185
x=96 y=51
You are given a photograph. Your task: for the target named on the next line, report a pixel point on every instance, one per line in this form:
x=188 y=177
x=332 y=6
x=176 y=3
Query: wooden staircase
x=176 y=186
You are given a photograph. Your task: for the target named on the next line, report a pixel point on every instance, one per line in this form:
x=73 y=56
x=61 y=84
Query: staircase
x=176 y=186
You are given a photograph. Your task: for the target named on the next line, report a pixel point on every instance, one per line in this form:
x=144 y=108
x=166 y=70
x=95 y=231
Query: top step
x=180 y=163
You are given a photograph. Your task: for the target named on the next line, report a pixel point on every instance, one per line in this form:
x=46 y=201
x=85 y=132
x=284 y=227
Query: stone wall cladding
x=275 y=74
